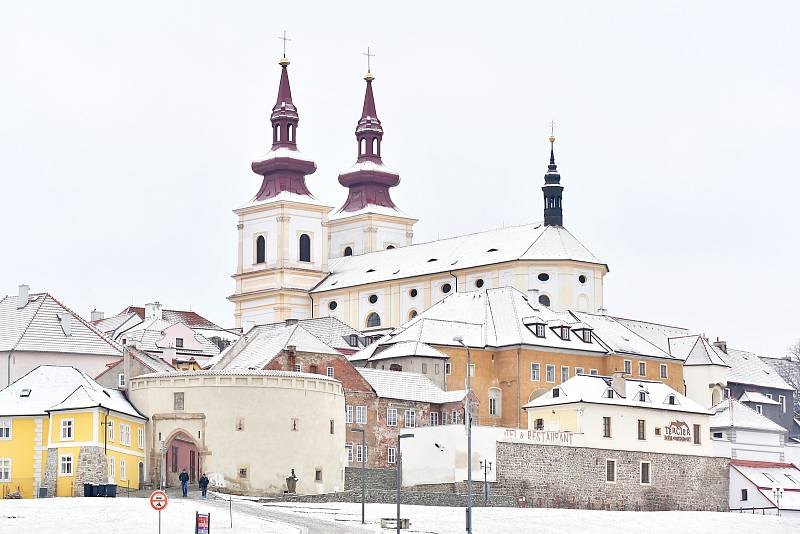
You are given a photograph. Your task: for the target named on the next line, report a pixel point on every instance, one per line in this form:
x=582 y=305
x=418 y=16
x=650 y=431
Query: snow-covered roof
x=50 y=387
x=328 y=329
x=657 y=334
x=527 y=242
x=369 y=209
x=618 y=337
x=766 y=476
x=122 y=321
x=237 y=372
x=748 y=368
x=87 y=396
x=406 y=349
x=594 y=389
x=367 y=352
x=732 y=413
x=755 y=396
x=45 y=325
x=148 y=336
x=696 y=350
x=408 y=386
x=260 y=346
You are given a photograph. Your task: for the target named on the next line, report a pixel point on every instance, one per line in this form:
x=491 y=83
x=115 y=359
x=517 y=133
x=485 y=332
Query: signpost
x=159 y=501
x=202 y=523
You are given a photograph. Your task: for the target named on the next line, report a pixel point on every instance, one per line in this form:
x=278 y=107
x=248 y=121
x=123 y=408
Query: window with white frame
x=663 y=370
x=391 y=455
x=627 y=366
x=140 y=437
x=361 y=415
x=329 y=371
x=781 y=399
x=125 y=434
x=123 y=474
x=642 y=368
x=5 y=428
x=495 y=402
x=391 y=416
x=769 y=396
x=471 y=369
x=348 y=414
x=447 y=368
x=68 y=430
x=5 y=469
x=759 y=409
x=121 y=380
x=361 y=453
x=550 y=373
x=111 y=468
x=611 y=471
x=593 y=372
x=644 y=473
x=348 y=447
x=110 y=425
x=434 y=418
x=455 y=417
x=410 y=418
x=65 y=465
x=536 y=372
x=564 y=373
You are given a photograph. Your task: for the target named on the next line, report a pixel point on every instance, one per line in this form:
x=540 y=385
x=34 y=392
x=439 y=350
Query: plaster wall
x=23 y=362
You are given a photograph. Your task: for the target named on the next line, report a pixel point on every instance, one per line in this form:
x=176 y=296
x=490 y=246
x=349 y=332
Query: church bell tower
x=552 y=189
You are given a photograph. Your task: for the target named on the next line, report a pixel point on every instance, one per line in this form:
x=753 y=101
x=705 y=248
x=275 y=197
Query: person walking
x=184 y=478
x=203 y=485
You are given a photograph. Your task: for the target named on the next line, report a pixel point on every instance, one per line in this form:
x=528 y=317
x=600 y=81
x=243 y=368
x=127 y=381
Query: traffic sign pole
x=159 y=501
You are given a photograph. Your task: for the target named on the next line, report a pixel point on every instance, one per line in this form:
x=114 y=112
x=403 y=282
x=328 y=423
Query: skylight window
x=492 y=250
x=370 y=270
x=432 y=259
x=25 y=393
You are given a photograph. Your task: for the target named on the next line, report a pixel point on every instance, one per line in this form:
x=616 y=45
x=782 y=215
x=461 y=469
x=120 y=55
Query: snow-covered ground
x=433 y=519
x=121 y=515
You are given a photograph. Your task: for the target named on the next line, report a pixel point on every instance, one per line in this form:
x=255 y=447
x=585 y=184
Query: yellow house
x=59 y=429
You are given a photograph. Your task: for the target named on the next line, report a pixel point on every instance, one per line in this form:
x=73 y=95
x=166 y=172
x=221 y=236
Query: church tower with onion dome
x=369 y=220
x=283 y=233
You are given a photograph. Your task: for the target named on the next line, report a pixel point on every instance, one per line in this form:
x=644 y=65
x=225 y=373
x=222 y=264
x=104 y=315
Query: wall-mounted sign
x=677 y=431
x=540 y=437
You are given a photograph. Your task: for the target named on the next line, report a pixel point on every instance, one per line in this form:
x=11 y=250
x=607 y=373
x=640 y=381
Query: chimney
x=618 y=383
x=290 y=322
x=721 y=345
x=22 y=297
x=97 y=315
x=533 y=297
x=292 y=357
x=169 y=354
x=153 y=310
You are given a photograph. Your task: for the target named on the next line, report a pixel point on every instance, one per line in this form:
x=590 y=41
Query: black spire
x=552 y=191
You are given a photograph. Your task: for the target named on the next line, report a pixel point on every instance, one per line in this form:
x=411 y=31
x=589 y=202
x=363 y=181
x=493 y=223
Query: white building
x=36 y=329
x=765 y=487
x=740 y=433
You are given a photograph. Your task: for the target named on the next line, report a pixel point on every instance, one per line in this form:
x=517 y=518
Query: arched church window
x=412 y=314
x=261 y=249
x=289 y=137
x=544 y=300
x=305 y=247
x=373 y=320
x=362 y=143
x=348 y=251
x=277 y=132
x=374 y=145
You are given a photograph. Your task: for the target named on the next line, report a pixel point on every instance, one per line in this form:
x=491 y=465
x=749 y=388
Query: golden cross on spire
x=369 y=57
x=284 y=39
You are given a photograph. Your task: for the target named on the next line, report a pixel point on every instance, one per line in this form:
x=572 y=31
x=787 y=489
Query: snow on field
x=121 y=515
x=439 y=520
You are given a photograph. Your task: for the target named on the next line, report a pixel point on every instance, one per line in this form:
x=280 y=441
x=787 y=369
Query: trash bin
x=87 y=490
x=99 y=490
x=111 y=490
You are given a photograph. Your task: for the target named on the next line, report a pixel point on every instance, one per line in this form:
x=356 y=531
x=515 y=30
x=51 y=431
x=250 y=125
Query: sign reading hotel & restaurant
x=677 y=431
x=539 y=437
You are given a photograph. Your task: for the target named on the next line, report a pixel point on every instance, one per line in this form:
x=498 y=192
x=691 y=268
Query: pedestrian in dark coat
x=203 y=485
x=184 y=478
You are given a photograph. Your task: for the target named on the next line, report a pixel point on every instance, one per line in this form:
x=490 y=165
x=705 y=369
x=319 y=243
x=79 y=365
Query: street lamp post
x=468 y=421
x=486 y=465
x=162 y=476
x=399 y=463
x=778 y=493
x=363 y=471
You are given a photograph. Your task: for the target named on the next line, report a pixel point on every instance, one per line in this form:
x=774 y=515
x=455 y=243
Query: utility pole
x=468 y=422
x=363 y=471
x=486 y=465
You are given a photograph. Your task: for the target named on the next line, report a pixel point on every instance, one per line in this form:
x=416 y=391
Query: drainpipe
x=105 y=434
x=456 y=280
x=518 y=405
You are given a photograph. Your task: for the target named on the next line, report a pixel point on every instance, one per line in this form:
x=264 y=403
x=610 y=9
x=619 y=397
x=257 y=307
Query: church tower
x=369 y=220
x=552 y=189
x=283 y=235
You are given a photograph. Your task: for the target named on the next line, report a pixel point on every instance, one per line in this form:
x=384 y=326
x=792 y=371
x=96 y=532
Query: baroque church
x=300 y=258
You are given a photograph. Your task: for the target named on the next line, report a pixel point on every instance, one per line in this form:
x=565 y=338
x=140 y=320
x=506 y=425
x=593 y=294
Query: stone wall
x=407 y=496
x=51 y=472
x=92 y=468
x=380 y=479
x=575 y=477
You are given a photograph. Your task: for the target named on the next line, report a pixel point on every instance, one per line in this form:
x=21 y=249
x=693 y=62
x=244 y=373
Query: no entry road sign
x=158 y=500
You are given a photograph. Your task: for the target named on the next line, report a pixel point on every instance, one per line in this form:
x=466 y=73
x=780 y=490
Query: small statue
x=291 y=483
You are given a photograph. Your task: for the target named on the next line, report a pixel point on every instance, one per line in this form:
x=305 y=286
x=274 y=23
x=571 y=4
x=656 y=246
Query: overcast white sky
x=127 y=132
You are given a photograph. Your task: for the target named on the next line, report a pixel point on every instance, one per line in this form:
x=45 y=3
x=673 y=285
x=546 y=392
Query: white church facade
x=299 y=258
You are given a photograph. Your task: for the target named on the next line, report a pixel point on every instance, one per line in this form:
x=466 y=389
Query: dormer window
x=642 y=396
x=539 y=330
x=586 y=335
x=672 y=400
x=353 y=340
x=610 y=393
x=563 y=332
x=556 y=392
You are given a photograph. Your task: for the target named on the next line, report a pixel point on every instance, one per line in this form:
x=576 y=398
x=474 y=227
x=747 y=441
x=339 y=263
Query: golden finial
x=368 y=77
x=552 y=137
